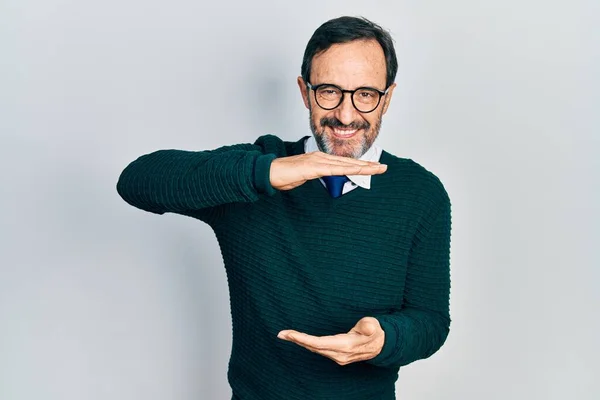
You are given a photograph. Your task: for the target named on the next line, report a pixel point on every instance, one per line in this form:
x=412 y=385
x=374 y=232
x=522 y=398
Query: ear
x=303 y=91
x=388 y=98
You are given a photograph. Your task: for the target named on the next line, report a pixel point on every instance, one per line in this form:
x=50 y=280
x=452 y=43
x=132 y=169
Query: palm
x=363 y=342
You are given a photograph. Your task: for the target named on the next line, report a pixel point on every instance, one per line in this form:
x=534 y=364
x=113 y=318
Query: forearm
x=410 y=335
x=184 y=181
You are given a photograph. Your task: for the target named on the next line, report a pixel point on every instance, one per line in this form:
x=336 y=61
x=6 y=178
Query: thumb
x=367 y=326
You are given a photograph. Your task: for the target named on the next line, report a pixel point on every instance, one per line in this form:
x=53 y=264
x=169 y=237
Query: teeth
x=343 y=132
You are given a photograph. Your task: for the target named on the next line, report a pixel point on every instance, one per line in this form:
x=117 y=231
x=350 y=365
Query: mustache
x=336 y=123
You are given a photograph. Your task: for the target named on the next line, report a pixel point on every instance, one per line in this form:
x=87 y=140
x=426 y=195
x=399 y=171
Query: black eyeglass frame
x=314 y=88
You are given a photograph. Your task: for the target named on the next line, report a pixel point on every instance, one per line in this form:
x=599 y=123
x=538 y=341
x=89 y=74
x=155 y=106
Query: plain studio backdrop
x=99 y=300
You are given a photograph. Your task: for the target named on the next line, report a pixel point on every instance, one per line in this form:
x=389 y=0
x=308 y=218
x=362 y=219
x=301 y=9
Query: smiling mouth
x=343 y=133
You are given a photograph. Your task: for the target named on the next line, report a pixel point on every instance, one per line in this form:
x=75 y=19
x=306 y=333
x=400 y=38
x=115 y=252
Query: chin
x=342 y=153
x=355 y=151
x=352 y=148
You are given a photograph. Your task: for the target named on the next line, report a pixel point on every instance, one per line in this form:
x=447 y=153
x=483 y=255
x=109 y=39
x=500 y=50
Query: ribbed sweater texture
x=302 y=260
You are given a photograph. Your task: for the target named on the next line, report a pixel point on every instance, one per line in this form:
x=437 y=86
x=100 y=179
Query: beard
x=353 y=147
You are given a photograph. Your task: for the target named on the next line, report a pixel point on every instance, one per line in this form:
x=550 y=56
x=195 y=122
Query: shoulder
x=271 y=144
x=408 y=174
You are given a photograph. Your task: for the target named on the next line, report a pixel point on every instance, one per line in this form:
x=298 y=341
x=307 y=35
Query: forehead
x=350 y=65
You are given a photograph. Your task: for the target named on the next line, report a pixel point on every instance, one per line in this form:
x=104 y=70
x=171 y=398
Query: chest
x=340 y=263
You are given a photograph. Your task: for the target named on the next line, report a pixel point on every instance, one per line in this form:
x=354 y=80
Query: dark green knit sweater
x=302 y=260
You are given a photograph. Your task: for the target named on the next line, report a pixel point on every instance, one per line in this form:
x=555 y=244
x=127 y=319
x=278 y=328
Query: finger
x=366 y=326
x=344 y=161
x=370 y=170
x=332 y=169
x=341 y=358
x=340 y=342
x=334 y=160
x=331 y=157
x=284 y=333
x=294 y=338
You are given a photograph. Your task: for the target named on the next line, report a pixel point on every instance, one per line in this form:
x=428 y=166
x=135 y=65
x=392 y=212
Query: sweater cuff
x=389 y=345
x=262 y=174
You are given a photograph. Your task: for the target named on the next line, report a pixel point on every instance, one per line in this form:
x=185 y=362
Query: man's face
x=344 y=131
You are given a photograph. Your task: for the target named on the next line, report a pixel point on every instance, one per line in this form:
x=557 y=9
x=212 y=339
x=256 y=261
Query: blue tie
x=335 y=184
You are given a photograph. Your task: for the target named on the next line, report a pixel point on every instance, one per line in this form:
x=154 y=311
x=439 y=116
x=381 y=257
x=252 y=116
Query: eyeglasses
x=364 y=99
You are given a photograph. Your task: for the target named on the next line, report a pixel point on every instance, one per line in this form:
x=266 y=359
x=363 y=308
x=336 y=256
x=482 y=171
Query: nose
x=345 y=112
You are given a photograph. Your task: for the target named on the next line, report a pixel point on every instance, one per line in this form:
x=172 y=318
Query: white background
x=99 y=300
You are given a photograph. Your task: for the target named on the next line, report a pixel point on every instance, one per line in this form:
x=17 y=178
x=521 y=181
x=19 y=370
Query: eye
x=329 y=93
x=367 y=95
x=328 y=90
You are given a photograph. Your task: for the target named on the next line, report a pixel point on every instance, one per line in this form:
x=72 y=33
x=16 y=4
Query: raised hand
x=290 y=172
x=363 y=342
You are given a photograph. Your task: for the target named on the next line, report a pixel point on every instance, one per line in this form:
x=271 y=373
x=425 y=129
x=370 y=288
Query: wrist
x=262 y=174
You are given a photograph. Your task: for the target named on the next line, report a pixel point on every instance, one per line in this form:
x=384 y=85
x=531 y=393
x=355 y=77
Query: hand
x=290 y=172
x=363 y=342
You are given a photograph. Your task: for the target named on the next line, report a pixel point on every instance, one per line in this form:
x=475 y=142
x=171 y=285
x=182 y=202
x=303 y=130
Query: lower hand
x=363 y=342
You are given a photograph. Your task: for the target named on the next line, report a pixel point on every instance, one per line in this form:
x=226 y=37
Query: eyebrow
x=358 y=87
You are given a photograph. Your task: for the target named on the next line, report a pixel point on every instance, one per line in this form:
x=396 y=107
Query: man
x=336 y=251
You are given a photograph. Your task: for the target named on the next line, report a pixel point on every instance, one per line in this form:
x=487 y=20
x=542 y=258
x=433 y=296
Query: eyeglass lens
x=329 y=97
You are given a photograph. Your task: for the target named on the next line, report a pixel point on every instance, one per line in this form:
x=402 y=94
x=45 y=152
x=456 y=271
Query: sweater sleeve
x=420 y=327
x=195 y=183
